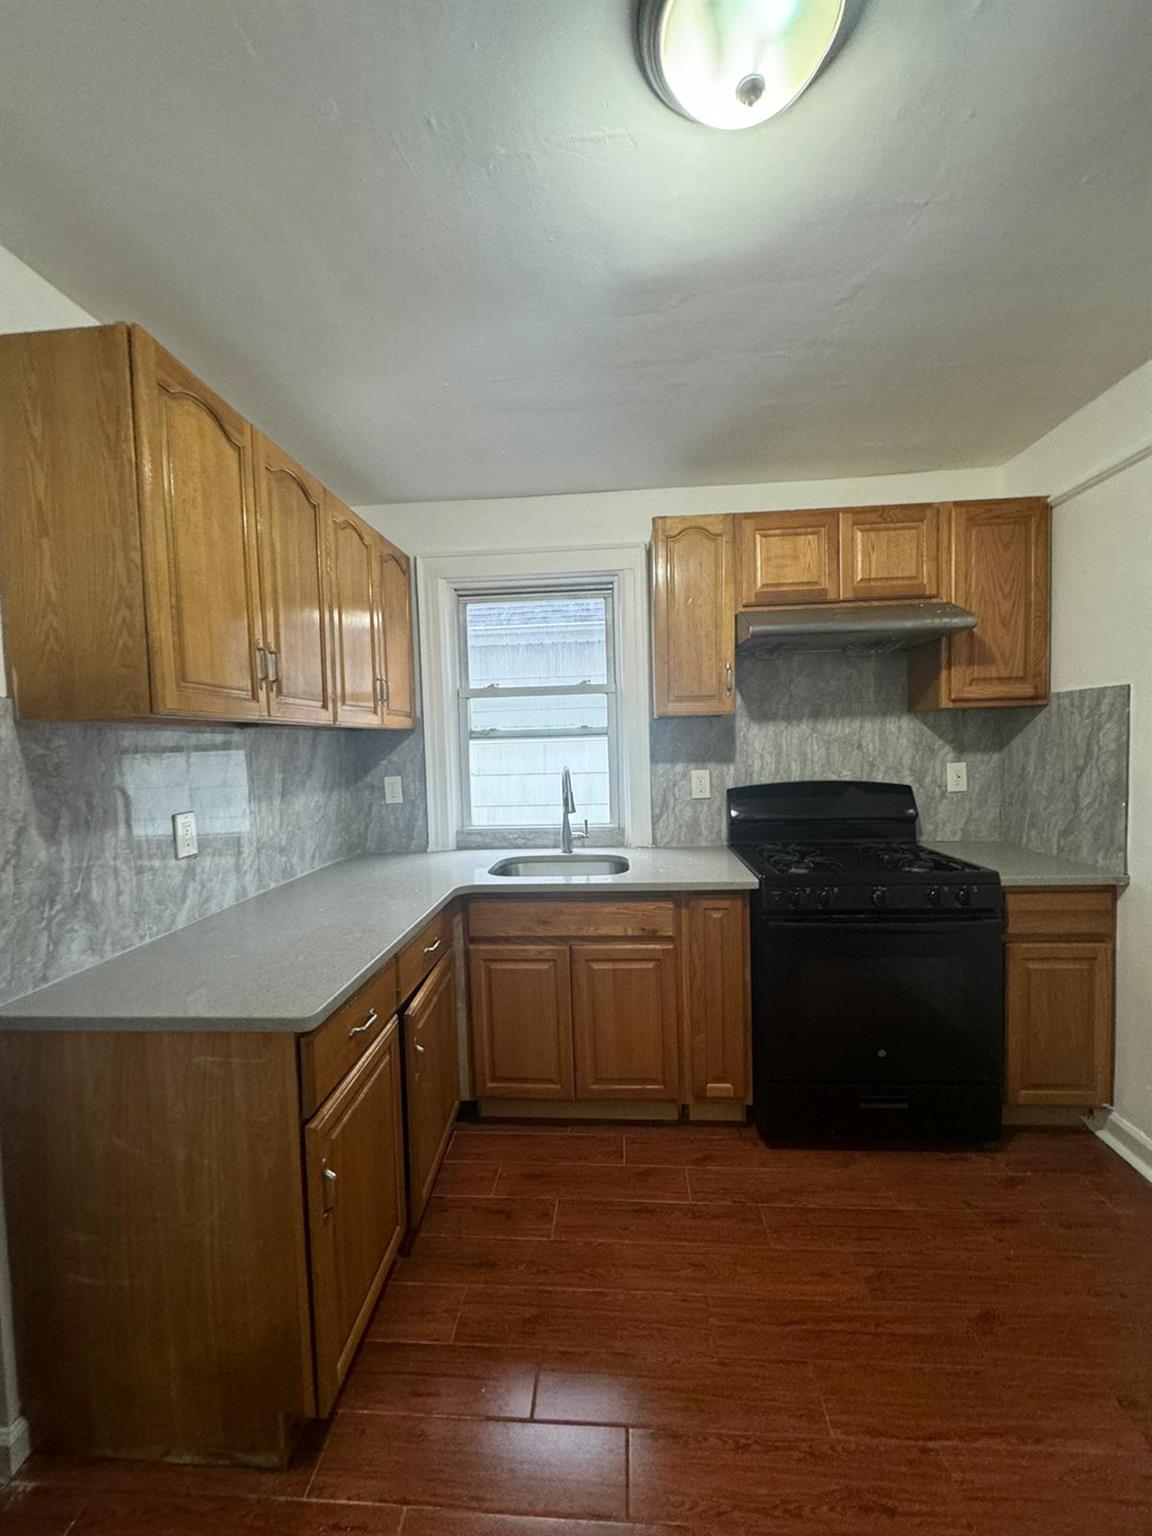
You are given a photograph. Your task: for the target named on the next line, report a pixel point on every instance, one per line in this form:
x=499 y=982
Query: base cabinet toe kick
x=200 y=1224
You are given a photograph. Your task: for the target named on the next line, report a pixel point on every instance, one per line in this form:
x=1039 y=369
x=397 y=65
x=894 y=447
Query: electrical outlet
x=701 y=784
x=184 y=835
x=957 y=778
x=394 y=790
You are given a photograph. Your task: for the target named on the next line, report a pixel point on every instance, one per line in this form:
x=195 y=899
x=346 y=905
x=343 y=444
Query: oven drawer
x=863 y=1114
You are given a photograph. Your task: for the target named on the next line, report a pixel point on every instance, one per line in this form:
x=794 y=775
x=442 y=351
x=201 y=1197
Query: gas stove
x=856 y=851
x=877 y=970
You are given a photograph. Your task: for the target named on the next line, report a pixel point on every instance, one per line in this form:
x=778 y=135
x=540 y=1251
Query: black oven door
x=878 y=1001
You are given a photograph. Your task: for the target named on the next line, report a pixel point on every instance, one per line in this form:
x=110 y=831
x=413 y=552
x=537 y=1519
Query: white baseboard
x=1126 y=1140
x=15 y=1447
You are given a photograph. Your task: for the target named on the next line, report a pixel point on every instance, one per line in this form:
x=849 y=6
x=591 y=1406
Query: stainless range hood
x=860 y=627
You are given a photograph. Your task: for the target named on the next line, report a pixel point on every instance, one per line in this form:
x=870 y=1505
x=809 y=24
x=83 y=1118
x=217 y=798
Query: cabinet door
x=625 y=1021
x=717 y=996
x=354 y=584
x=693 y=616
x=1058 y=1028
x=290 y=525
x=199 y=543
x=354 y=1149
x=889 y=552
x=397 y=639
x=521 y=1000
x=788 y=557
x=432 y=1078
x=1001 y=571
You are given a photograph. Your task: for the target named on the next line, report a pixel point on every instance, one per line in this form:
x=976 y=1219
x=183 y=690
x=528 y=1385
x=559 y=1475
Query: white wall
x=1101 y=634
x=625 y=517
x=27 y=303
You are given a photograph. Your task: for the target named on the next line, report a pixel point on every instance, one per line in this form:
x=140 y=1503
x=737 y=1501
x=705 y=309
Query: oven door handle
x=889 y=922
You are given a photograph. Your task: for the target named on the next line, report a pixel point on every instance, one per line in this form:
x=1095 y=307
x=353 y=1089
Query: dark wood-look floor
x=672 y=1330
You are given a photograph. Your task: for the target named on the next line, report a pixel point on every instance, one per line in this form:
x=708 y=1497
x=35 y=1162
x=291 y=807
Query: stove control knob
x=824 y=899
x=935 y=896
x=964 y=895
x=880 y=896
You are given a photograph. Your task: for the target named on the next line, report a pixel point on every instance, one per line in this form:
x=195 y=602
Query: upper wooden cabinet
x=997 y=563
x=788 y=557
x=396 y=630
x=291 y=538
x=161 y=558
x=693 y=616
x=355 y=618
x=889 y=552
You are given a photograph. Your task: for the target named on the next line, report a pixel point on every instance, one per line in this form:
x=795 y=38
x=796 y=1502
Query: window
x=537 y=694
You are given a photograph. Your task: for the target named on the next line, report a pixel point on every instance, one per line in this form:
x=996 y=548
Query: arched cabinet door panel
x=693 y=616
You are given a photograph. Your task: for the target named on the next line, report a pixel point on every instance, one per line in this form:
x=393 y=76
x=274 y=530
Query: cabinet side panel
x=154 y=1193
x=70 y=560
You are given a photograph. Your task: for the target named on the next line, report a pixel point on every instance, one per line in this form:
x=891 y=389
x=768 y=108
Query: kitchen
x=780 y=1162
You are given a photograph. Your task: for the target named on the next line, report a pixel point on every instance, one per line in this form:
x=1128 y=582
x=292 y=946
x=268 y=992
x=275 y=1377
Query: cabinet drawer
x=1066 y=912
x=329 y=1053
x=497 y=918
x=430 y=945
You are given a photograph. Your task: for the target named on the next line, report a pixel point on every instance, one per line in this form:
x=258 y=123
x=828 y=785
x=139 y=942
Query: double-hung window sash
x=538 y=694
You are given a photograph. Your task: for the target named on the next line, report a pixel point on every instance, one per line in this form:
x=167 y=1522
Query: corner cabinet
x=1060 y=964
x=693 y=616
x=162 y=559
x=577 y=1000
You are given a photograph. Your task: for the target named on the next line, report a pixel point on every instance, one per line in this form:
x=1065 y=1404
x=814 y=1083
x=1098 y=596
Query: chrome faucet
x=567 y=806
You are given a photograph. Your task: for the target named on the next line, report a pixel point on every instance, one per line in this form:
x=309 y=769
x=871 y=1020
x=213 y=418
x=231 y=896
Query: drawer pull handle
x=361 y=1029
x=431 y=949
x=329 y=1187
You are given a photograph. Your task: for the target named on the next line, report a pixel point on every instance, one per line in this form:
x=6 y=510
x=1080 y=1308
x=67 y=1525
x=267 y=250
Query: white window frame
x=439 y=582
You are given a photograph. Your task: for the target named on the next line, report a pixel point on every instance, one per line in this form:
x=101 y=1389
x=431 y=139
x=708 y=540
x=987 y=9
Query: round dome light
x=734 y=63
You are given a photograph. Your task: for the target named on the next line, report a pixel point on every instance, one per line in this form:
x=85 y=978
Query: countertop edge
x=293 y=1024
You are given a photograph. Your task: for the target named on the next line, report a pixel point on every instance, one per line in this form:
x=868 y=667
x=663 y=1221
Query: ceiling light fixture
x=734 y=63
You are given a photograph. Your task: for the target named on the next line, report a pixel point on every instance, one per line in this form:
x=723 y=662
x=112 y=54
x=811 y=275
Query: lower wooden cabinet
x=625 y=1020
x=432 y=1080
x=1060 y=962
x=717 y=997
x=583 y=999
x=521 y=1003
x=354 y=1151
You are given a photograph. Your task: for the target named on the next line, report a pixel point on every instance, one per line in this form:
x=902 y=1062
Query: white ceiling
x=454 y=248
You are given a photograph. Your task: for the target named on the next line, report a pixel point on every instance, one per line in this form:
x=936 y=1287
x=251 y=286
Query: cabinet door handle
x=273 y=665
x=430 y=949
x=419 y=1049
x=261 y=664
x=329 y=1187
x=362 y=1029
x=382 y=689
x=728 y=679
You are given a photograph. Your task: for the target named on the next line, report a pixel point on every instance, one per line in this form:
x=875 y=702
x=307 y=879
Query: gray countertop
x=1021 y=866
x=285 y=959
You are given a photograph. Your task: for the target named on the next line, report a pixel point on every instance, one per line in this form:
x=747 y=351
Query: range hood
x=860 y=627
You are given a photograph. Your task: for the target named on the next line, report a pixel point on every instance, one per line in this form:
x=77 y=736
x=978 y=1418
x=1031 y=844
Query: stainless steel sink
x=535 y=866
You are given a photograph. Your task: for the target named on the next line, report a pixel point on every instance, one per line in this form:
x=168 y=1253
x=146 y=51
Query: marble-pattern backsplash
x=1064 y=786
x=86 y=860
x=1054 y=779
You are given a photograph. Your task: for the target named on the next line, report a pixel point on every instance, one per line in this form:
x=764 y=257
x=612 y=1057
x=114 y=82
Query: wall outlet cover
x=184 y=835
x=394 y=790
x=957 y=778
x=701 y=784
